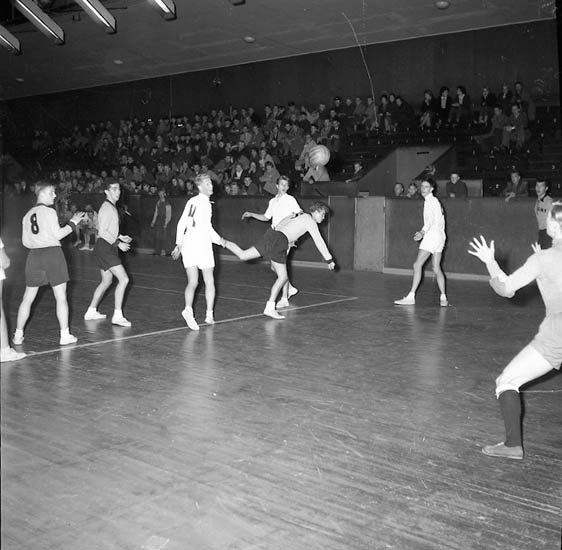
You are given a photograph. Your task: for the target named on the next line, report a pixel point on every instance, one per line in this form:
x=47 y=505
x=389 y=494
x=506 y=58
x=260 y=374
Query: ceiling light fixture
x=168 y=8
x=99 y=14
x=249 y=39
x=40 y=20
x=9 y=41
x=442 y=4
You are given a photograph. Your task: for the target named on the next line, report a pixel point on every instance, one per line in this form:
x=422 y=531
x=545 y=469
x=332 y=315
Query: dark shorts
x=273 y=246
x=106 y=255
x=46 y=266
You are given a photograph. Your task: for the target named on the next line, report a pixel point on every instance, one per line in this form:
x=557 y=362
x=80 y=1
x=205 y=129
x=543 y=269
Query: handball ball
x=319 y=155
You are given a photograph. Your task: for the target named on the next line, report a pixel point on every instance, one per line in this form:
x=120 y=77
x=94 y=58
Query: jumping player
x=106 y=254
x=279 y=207
x=273 y=246
x=195 y=236
x=545 y=351
x=432 y=237
x=45 y=264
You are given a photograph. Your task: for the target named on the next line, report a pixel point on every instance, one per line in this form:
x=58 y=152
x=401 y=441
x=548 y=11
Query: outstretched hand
x=536 y=247
x=124 y=247
x=176 y=253
x=78 y=217
x=483 y=251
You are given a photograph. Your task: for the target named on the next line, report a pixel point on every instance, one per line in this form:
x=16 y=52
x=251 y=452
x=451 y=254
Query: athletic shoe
x=443 y=302
x=500 y=450
x=77 y=243
x=10 y=354
x=292 y=290
x=68 y=339
x=406 y=301
x=282 y=303
x=270 y=311
x=209 y=319
x=190 y=320
x=120 y=321
x=85 y=247
x=94 y=315
x=17 y=340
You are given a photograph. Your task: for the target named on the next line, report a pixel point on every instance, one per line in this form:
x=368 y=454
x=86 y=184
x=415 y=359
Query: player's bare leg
x=24 y=311
x=282 y=278
x=62 y=315
x=208 y=277
x=189 y=294
x=120 y=274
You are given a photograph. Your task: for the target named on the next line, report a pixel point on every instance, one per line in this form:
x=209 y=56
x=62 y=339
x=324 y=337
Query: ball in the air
x=319 y=155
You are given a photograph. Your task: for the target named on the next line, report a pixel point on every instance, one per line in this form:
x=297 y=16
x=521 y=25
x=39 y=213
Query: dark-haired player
x=107 y=256
x=273 y=246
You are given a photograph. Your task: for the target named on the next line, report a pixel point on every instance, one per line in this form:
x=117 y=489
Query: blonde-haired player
x=45 y=264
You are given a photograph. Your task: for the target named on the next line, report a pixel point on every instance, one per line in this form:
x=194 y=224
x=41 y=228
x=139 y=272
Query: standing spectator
x=542 y=209
x=160 y=220
x=516 y=131
x=456 y=188
x=443 y=106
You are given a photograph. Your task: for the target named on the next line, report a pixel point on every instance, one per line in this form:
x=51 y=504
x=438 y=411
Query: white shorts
x=433 y=242
x=2 y=274
x=198 y=255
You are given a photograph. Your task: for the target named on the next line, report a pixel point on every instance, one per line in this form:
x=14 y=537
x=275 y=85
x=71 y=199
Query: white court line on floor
x=183 y=278
x=170 y=330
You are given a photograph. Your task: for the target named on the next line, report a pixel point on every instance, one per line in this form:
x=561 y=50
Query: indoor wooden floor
x=351 y=424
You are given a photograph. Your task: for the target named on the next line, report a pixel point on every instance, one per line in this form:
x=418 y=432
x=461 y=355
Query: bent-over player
x=273 y=246
x=45 y=264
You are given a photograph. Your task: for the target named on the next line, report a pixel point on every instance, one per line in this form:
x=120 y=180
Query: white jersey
x=41 y=229
x=195 y=234
x=280 y=207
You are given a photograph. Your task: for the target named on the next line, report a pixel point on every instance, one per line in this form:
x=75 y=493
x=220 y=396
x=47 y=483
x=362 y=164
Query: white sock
x=19 y=333
x=64 y=332
x=118 y=313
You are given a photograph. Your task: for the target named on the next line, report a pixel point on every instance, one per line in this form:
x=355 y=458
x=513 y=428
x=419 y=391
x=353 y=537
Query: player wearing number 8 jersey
x=46 y=264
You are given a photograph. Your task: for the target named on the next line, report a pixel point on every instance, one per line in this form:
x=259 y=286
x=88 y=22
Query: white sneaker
x=17 y=340
x=292 y=290
x=94 y=315
x=85 y=247
x=443 y=302
x=120 y=321
x=69 y=339
x=10 y=354
x=190 y=320
x=406 y=301
x=209 y=319
x=270 y=311
x=282 y=303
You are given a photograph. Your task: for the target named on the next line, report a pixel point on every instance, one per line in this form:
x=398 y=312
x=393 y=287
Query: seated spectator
x=384 y=113
x=399 y=191
x=413 y=191
x=516 y=187
x=505 y=99
x=358 y=114
x=403 y=115
x=487 y=103
x=302 y=162
x=456 y=188
x=249 y=187
x=428 y=111
x=523 y=98
x=515 y=133
x=358 y=172
x=461 y=109
x=370 y=120
x=492 y=140
x=269 y=179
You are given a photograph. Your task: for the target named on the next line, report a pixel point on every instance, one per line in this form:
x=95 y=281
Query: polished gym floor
x=350 y=424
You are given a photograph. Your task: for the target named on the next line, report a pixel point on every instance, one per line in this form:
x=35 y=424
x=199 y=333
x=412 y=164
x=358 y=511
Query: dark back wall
x=526 y=52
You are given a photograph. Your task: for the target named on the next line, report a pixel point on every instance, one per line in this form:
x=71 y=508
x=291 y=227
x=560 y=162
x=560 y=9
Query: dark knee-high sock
x=510 y=406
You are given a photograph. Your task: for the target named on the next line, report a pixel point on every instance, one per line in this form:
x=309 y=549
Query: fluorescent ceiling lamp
x=8 y=40
x=99 y=14
x=168 y=8
x=40 y=20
